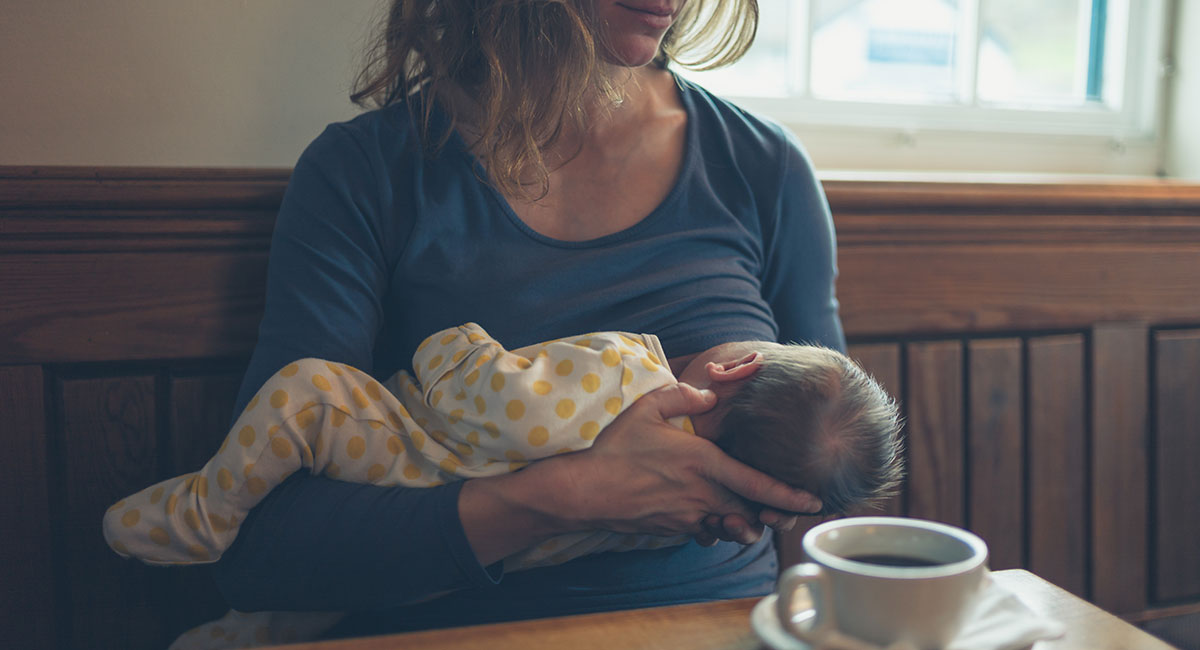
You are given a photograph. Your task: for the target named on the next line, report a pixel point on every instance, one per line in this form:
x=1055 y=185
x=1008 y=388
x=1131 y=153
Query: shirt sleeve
x=537 y=401
x=800 y=256
x=315 y=543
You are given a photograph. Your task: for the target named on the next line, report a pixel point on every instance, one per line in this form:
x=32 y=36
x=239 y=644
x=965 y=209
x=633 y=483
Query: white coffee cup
x=858 y=590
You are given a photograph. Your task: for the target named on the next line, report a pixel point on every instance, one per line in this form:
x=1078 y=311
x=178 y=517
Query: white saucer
x=764 y=618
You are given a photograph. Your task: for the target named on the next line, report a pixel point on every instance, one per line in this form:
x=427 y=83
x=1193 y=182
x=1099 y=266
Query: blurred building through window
x=1043 y=54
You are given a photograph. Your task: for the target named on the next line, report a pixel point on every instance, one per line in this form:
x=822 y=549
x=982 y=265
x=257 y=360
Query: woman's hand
x=643 y=475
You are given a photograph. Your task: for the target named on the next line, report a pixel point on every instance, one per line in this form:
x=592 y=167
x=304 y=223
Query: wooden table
x=725 y=625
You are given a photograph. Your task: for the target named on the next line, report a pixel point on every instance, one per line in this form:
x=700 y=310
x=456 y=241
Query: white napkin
x=998 y=620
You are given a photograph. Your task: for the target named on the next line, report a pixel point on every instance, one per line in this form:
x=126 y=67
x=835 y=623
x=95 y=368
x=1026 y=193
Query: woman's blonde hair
x=527 y=67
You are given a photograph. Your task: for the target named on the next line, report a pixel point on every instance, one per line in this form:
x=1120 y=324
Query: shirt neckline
x=690 y=153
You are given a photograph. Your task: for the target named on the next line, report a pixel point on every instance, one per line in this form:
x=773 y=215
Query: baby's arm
x=511 y=407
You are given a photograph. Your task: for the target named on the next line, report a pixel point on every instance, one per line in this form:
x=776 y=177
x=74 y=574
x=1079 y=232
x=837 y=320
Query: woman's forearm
x=316 y=544
x=506 y=514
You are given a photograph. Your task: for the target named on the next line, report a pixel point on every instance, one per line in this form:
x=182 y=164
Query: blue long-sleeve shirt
x=377 y=244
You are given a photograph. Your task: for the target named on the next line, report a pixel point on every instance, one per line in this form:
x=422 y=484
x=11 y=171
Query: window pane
x=885 y=50
x=1035 y=51
x=763 y=71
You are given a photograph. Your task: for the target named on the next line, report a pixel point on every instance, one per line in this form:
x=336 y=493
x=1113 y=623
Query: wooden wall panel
x=882 y=361
x=200 y=411
x=199 y=417
x=935 y=431
x=107 y=436
x=1119 y=487
x=123 y=306
x=1058 y=462
x=26 y=570
x=1177 y=461
x=996 y=449
x=884 y=291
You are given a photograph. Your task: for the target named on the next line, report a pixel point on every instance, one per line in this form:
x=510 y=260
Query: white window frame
x=972 y=137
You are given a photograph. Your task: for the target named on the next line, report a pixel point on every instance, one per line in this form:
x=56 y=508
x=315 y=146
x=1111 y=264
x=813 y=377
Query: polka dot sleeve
x=545 y=399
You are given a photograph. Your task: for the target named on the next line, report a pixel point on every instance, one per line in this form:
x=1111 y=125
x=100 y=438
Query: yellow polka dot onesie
x=478 y=410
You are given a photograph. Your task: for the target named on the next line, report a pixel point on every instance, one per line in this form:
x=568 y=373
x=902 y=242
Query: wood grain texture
x=107 y=433
x=725 y=625
x=1058 y=462
x=721 y=625
x=935 y=431
x=107 y=188
x=1119 y=485
x=891 y=192
x=928 y=287
x=1177 y=455
x=27 y=605
x=882 y=361
x=199 y=415
x=122 y=306
x=996 y=450
x=200 y=410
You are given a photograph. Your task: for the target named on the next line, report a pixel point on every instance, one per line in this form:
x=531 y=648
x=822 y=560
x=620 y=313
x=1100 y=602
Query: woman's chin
x=633 y=54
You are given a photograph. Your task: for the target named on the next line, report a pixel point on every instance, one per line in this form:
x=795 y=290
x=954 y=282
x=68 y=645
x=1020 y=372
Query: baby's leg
x=310 y=414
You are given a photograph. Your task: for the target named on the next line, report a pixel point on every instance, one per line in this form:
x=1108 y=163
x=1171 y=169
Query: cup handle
x=824 y=622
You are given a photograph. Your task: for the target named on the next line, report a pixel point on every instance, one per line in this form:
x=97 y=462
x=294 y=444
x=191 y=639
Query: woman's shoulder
x=391 y=129
x=722 y=119
x=766 y=153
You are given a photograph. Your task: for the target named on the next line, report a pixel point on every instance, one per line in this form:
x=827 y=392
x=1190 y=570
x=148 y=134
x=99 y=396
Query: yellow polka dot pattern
x=590 y=382
x=538 y=436
x=589 y=430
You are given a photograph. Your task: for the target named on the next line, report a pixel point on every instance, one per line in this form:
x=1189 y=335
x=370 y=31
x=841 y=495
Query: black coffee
x=893 y=560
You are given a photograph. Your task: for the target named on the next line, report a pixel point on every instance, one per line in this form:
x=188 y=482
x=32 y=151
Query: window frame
x=1124 y=141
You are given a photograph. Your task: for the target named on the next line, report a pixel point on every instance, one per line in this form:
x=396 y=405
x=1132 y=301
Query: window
x=916 y=71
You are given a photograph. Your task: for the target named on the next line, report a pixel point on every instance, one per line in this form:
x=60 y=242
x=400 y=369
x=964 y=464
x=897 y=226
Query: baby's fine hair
x=812 y=418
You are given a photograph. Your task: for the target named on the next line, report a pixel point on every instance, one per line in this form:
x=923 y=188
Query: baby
x=803 y=414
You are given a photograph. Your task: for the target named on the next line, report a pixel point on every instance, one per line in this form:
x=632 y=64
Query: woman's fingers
x=644 y=476
x=778 y=520
x=728 y=528
x=739 y=530
x=756 y=486
x=678 y=399
x=706 y=537
x=750 y=484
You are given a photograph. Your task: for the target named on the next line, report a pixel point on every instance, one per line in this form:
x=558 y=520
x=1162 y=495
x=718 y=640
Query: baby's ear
x=729 y=371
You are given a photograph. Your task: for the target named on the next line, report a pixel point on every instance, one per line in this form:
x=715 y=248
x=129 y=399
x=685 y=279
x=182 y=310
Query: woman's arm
x=316 y=543
x=800 y=255
x=642 y=475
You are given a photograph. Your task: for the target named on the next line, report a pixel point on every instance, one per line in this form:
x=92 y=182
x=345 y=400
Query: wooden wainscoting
x=1043 y=339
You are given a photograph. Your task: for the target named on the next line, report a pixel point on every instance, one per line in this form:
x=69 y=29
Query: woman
x=535 y=168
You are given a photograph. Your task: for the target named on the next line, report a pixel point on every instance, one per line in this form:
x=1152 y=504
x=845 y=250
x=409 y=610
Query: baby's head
x=809 y=416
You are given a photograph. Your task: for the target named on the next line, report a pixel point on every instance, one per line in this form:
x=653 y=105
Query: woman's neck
x=642 y=94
